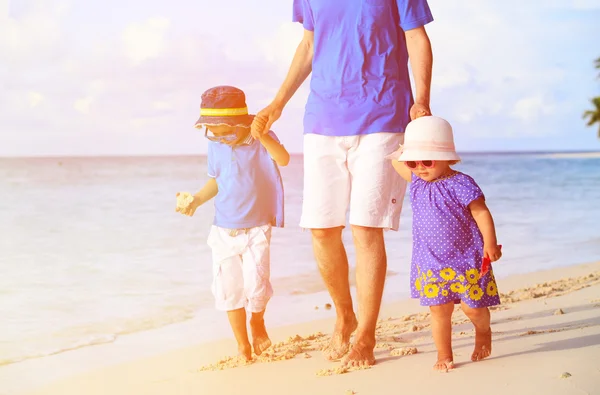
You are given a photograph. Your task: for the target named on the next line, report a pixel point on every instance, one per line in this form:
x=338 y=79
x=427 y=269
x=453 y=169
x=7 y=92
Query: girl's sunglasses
x=412 y=164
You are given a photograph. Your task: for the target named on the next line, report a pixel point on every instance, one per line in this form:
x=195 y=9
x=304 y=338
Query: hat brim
x=235 y=121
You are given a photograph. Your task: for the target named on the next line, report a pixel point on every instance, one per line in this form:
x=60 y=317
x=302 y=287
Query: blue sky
x=125 y=77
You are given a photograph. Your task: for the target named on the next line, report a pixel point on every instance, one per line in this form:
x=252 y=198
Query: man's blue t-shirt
x=360 y=82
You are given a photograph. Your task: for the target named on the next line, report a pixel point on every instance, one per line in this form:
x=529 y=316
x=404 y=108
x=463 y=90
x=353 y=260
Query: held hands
x=264 y=119
x=419 y=110
x=492 y=252
x=186 y=204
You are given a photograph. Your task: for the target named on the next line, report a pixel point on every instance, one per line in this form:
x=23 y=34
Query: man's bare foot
x=483 y=345
x=444 y=364
x=260 y=338
x=340 y=339
x=245 y=351
x=360 y=355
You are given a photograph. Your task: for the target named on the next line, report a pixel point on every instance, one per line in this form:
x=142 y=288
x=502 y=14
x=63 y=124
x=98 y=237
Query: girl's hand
x=492 y=252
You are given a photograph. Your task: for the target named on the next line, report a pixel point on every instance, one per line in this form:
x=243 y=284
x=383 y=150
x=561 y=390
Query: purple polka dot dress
x=447 y=244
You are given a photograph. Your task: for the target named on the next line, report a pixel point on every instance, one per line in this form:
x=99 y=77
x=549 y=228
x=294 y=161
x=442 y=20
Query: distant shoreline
x=552 y=154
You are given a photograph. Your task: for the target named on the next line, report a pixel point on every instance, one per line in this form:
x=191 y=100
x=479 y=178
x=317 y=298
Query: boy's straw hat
x=224 y=105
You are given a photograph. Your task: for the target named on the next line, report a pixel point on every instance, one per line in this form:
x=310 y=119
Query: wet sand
x=546 y=338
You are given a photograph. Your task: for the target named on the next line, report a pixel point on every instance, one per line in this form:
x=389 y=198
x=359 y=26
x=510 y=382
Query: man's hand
x=264 y=119
x=419 y=110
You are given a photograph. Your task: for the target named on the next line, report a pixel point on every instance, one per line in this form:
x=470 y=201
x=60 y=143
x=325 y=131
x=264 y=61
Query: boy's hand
x=258 y=126
x=492 y=252
x=186 y=204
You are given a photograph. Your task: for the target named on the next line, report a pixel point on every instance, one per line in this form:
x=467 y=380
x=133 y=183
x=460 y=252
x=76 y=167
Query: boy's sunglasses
x=227 y=137
x=412 y=164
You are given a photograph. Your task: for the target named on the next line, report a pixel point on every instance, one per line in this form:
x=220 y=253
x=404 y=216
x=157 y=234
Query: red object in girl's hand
x=486 y=264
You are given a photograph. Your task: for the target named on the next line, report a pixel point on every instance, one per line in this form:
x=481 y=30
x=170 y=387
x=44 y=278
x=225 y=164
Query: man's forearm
x=421 y=62
x=300 y=69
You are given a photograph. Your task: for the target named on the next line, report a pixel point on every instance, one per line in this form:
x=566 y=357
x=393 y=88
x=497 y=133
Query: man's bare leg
x=237 y=319
x=260 y=338
x=480 y=317
x=333 y=264
x=371 y=266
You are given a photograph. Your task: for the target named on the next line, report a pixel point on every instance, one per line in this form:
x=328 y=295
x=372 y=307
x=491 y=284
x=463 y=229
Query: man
x=359 y=104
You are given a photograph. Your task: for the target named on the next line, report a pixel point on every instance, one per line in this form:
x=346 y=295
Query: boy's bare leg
x=480 y=317
x=237 y=320
x=441 y=329
x=332 y=260
x=260 y=338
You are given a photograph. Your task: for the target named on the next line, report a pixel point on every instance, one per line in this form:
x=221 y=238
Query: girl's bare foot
x=483 y=345
x=245 y=351
x=260 y=338
x=444 y=365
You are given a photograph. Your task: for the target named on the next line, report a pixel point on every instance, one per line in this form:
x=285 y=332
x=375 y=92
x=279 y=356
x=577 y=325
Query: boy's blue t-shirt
x=250 y=185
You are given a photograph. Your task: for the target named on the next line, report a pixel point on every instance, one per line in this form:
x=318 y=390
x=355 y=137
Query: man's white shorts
x=241 y=268
x=351 y=172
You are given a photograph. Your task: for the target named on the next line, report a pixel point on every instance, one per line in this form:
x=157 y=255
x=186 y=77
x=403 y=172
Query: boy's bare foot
x=360 y=355
x=260 y=338
x=245 y=351
x=340 y=340
x=444 y=364
x=483 y=345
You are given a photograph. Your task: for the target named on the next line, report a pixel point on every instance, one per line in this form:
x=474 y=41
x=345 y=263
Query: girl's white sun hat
x=427 y=138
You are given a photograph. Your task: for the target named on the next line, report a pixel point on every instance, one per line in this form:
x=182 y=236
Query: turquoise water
x=92 y=248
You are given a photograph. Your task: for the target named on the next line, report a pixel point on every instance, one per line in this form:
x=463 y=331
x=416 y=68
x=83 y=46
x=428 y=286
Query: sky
x=124 y=77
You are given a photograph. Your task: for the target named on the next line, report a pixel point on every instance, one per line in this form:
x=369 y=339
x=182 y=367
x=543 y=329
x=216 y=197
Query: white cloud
x=144 y=41
x=83 y=105
x=4 y=7
x=530 y=108
x=279 y=47
x=32 y=37
x=576 y=4
x=161 y=105
x=35 y=98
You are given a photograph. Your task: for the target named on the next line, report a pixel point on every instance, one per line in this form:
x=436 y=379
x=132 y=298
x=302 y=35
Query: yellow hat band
x=223 y=112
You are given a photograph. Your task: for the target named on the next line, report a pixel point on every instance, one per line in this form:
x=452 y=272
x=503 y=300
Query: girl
x=452 y=231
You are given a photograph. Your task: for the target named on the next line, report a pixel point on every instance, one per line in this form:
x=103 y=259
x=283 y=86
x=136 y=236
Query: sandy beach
x=546 y=341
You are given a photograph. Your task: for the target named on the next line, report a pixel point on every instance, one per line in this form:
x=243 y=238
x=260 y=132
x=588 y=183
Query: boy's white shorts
x=351 y=172
x=241 y=268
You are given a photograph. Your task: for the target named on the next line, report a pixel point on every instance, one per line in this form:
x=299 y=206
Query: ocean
x=92 y=249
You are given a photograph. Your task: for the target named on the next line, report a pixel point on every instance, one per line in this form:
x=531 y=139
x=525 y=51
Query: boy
x=248 y=191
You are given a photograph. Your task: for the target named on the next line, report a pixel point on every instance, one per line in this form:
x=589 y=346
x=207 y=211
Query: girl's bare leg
x=480 y=317
x=441 y=328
